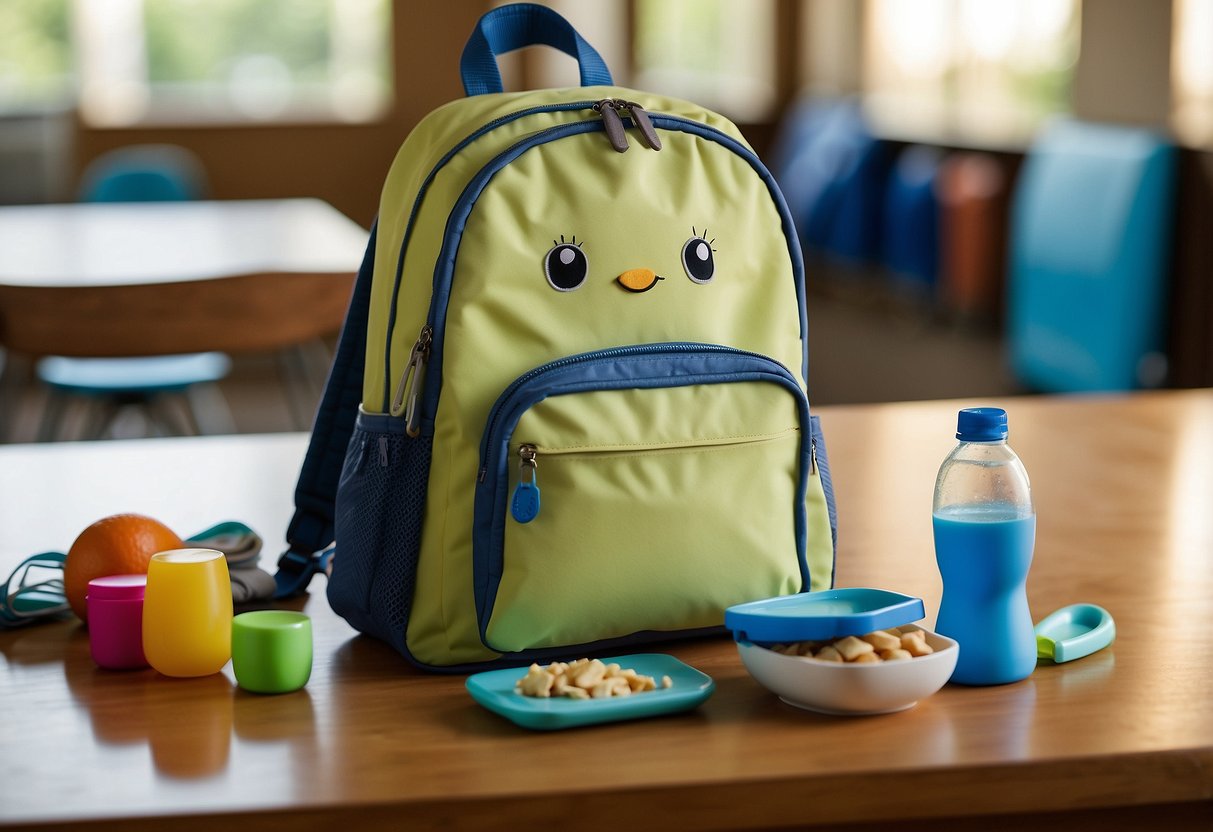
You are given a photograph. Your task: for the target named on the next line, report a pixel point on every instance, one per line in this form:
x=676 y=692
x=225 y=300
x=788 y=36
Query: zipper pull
x=524 y=505
x=608 y=108
x=644 y=125
x=812 y=457
x=407 y=392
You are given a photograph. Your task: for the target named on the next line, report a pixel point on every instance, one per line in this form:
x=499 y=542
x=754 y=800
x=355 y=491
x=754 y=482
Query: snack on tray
x=889 y=645
x=585 y=679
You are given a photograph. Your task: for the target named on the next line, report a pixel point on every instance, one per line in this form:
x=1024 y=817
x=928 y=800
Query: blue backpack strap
x=310 y=533
x=507 y=28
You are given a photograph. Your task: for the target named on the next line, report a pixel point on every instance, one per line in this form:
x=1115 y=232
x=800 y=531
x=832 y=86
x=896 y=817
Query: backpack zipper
x=524 y=503
x=612 y=109
x=495 y=414
x=405 y=401
x=444 y=267
x=608 y=108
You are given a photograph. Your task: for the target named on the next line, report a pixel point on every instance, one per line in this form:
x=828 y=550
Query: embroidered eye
x=566 y=266
x=697 y=259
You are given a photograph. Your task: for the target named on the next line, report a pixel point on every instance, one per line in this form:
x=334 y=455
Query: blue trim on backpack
x=647 y=366
x=444 y=268
x=785 y=215
x=507 y=28
x=500 y=121
x=311 y=528
x=827 y=488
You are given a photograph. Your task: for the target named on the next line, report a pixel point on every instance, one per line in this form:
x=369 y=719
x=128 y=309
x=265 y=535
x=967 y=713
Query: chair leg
x=318 y=359
x=208 y=410
x=160 y=408
x=99 y=418
x=12 y=395
x=300 y=397
x=52 y=416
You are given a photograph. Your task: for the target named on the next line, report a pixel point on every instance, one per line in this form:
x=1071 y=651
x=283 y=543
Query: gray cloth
x=242 y=547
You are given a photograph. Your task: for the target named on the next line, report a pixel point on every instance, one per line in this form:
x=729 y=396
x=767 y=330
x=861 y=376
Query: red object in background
x=973 y=192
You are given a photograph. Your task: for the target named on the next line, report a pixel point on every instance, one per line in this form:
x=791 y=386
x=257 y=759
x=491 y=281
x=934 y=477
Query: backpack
x=568 y=406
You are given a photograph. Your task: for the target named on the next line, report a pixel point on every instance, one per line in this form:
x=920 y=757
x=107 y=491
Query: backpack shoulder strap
x=310 y=534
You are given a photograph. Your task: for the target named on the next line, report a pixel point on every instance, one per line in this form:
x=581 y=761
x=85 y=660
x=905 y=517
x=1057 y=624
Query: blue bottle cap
x=981 y=424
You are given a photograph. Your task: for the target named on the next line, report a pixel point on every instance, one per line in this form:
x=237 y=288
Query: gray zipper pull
x=644 y=125
x=405 y=401
x=812 y=457
x=383 y=457
x=612 y=124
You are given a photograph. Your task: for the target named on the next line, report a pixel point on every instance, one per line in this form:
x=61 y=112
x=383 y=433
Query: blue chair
x=141 y=173
x=144 y=173
x=832 y=170
x=911 y=219
x=1090 y=247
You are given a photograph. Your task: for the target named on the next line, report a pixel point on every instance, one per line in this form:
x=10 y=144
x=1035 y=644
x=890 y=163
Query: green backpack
x=568 y=409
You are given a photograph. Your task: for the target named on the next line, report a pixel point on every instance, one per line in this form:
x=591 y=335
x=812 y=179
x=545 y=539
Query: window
x=719 y=53
x=1192 y=71
x=246 y=60
x=36 y=58
x=987 y=69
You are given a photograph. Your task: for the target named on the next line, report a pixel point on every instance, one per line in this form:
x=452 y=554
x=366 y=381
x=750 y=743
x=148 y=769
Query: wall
x=1124 y=67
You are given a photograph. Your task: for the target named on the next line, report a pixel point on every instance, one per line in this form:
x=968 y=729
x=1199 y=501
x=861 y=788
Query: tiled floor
x=871 y=347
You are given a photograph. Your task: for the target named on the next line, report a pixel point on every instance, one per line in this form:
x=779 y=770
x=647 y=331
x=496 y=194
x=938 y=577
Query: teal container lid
x=818 y=616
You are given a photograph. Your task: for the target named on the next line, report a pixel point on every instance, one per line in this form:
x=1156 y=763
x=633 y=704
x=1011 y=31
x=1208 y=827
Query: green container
x=272 y=650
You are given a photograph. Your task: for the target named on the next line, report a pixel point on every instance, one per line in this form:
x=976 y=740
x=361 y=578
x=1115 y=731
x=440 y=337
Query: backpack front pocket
x=640 y=489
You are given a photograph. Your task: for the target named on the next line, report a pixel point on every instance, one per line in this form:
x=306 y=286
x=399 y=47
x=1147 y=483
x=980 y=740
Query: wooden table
x=1121 y=739
x=134 y=279
x=146 y=278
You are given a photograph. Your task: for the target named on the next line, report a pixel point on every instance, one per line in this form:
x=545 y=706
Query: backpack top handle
x=515 y=26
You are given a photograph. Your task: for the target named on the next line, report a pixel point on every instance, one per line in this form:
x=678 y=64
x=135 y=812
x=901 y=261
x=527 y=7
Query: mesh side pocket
x=380 y=501
x=395 y=579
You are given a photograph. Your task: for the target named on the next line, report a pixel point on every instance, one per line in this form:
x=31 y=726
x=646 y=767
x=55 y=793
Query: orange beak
x=639 y=280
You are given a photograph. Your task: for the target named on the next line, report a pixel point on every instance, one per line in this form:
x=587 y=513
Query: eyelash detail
x=704 y=237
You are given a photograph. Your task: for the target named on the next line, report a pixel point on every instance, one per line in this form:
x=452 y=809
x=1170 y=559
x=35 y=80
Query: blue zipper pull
x=524 y=505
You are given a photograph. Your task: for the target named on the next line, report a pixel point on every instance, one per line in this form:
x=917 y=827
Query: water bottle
x=985 y=528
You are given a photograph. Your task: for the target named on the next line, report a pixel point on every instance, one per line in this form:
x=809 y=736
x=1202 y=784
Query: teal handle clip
x=1073 y=632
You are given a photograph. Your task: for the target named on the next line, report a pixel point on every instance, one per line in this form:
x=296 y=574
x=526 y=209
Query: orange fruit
x=121 y=544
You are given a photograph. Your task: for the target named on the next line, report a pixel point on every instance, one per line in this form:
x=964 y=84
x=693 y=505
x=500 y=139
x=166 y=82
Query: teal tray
x=494 y=689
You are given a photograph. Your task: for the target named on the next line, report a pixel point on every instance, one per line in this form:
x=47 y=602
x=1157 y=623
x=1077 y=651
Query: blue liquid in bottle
x=984 y=553
x=985 y=530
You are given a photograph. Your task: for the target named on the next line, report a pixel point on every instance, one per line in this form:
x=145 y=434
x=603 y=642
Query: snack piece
x=852 y=648
x=889 y=645
x=829 y=654
x=587 y=679
x=915 y=643
x=883 y=641
x=537 y=682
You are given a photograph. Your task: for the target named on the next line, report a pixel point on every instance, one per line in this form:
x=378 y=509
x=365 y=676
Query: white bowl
x=838 y=688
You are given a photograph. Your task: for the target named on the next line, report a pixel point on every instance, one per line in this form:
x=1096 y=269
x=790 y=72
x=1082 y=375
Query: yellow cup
x=187 y=612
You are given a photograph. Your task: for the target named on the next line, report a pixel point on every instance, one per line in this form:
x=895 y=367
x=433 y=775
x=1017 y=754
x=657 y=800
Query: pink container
x=115 y=621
